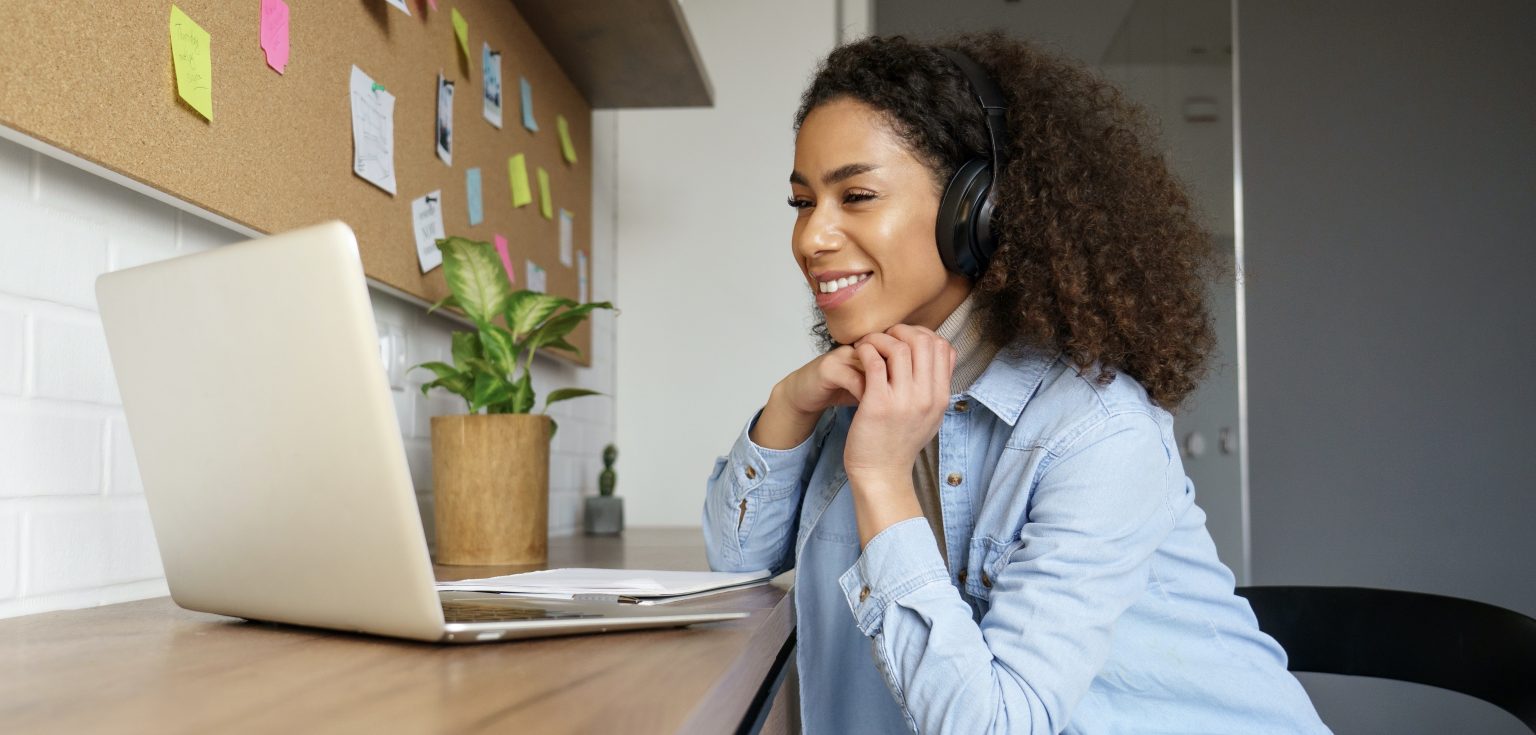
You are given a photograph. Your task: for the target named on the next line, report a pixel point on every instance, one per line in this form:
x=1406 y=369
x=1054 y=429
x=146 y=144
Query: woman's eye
x=799 y=203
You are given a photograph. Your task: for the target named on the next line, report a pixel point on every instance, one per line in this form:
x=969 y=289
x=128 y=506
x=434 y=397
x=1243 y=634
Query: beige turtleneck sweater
x=963 y=331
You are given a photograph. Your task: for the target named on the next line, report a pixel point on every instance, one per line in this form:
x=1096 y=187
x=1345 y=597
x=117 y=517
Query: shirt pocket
x=988 y=556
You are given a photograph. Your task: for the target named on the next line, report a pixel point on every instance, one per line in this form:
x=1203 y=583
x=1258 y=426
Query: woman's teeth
x=834 y=286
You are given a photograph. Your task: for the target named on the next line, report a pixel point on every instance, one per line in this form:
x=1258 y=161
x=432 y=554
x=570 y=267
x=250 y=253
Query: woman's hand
x=835 y=378
x=906 y=372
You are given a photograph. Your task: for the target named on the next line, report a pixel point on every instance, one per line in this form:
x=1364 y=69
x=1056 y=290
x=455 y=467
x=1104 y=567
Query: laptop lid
x=266 y=437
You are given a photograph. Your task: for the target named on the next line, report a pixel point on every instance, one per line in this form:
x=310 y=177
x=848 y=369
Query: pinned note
x=490 y=61
x=536 y=277
x=373 y=131
x=546 y=207
x=274 y=33
x=427 y=226
x=527 y=94
x=506 y=259
x=461 y=30
x=432 y=4
x=194 y=64
x=472 y=193
x=517 y=172
x=567 y=224
x=565 y=139
x=581 y=276
x=401 y=5
x=444 y=119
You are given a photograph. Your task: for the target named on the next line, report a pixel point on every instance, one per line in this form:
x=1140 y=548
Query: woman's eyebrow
x=835 y=175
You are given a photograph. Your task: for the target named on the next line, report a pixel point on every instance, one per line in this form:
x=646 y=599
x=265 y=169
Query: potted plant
x=490 y=467
x=605 y=511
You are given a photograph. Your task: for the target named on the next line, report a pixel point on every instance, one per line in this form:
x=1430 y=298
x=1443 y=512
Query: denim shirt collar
x=1011 y=379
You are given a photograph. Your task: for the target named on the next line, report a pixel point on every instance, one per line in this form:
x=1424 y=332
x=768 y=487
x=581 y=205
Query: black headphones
x=966 y=240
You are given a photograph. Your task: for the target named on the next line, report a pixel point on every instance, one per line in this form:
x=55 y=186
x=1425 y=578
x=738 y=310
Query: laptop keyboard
x=460 y=611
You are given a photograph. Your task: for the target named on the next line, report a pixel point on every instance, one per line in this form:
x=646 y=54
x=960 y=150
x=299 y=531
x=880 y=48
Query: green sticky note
x=517 y=171
x=546 y=207
x=194 y=64
x=565 y=139
x=461 y=29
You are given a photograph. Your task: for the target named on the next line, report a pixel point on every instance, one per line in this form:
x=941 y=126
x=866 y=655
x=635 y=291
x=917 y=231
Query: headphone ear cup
x=963 y=207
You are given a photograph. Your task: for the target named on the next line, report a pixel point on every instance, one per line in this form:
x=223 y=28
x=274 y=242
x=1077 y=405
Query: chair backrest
x=1470 y=647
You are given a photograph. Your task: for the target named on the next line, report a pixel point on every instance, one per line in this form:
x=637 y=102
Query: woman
x=977 y=480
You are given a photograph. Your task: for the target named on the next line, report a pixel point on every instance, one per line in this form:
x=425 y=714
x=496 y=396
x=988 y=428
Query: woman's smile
x=834 y=291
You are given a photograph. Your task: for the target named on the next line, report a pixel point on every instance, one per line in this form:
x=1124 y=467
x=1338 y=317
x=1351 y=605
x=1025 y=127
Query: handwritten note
x=427 y=226
x=472 y=189
x=565 y=139
x=274 y=33
x=527 y=95
x=373 y=131
x=546 y=207
x=491 y=62
x=461 y=30
x=506 y=259
x=581 y=276
x=194 y=64
x=517 y=173
x=536 y=277
x=566 y=226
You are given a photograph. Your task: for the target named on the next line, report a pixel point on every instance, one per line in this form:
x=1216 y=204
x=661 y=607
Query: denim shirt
x=1083 y=592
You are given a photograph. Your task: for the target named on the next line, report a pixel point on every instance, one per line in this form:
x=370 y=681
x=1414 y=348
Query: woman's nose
x=820 y=233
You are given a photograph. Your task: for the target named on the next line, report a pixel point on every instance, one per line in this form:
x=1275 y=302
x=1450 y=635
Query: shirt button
x=986 y=581
x=962 y=576
x=751 y=472
x=953 y=479
x=962 y=406
x=864 y=593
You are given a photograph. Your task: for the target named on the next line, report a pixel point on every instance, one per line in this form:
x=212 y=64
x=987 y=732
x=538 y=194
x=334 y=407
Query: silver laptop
x=271 y=457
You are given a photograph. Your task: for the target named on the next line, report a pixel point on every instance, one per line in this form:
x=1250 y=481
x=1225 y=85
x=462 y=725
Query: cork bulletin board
x=96 y=79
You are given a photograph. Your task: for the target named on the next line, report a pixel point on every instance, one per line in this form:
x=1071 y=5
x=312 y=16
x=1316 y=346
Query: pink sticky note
x=274 y=33
x=433 y=3
x=506 y=259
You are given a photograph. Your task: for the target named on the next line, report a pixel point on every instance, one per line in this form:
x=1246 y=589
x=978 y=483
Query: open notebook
x=639 y=586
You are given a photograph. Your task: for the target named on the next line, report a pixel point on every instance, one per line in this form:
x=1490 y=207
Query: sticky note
x=427 y=226
x=461 y=29
x=581 y=276
x=517 y=172
x=527 y=95
x=194 y=64
x=567 y=224
x=401 y=5
x=373 y=131
x=536 y=279
x=506 y=259
x=565 y=139
x=472 y=193
x=433 y=4
x=546 y=207
x=274 y=33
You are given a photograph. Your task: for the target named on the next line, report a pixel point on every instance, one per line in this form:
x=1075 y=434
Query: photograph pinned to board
x=581 y=276
x=472 y=195
x=400 y=4
x=444 y=119
x=427 y=226
x=274 y=33
x=193 y=61
x=491 y=60
x=373 y=131
x=536 y=277
x=567 y=225
x=506 y=258
x=527 y=97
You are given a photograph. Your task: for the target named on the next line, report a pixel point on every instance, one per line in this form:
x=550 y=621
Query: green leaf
x=499 y=348
x=459 y=384
x=475 y=275
x=528 y=309
x=561 y=344
x=442 y=370
x=567 y=393
x=553 y=427
x=555 y=329
x=466 y=346
x=522 y=394
x=442 y=302
x=489 y=389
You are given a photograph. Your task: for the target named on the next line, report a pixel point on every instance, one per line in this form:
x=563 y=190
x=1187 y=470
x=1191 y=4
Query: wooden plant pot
x=490 y=477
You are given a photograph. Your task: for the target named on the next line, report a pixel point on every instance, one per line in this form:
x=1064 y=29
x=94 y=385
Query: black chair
x=1474 y=648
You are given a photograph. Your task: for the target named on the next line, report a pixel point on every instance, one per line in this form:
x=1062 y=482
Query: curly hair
x=1101 y=254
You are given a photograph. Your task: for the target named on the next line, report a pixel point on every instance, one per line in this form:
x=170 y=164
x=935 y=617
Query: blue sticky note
x=472 y=183
x=528 y=121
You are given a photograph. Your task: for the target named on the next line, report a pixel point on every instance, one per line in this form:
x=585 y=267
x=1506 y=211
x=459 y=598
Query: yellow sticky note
x=546 y=207
x=565 y=139
x=461 y=29
x=517 y=171
x=194 y=64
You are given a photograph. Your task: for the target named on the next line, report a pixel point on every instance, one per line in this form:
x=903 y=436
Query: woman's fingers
x=874 y=368
x=897 y=356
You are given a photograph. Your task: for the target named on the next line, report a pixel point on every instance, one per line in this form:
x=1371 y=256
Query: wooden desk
x=149 y=666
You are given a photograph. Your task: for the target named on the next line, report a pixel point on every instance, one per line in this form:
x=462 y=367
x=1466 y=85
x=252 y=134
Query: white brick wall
x=74 y=529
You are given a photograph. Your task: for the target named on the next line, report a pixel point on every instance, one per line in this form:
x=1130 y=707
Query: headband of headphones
x=990 y=97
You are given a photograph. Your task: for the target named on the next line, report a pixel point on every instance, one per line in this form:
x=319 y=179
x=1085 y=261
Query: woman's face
x=866 y=214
